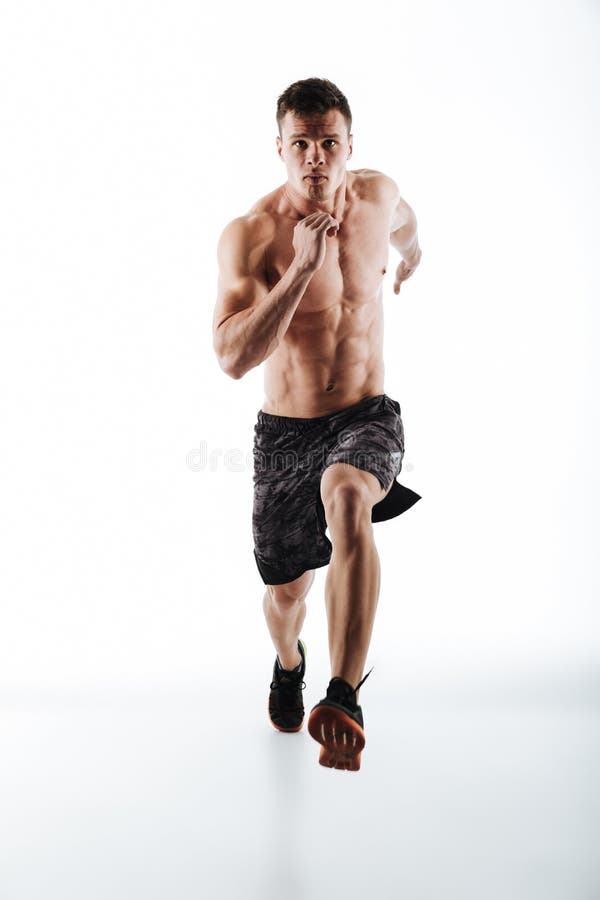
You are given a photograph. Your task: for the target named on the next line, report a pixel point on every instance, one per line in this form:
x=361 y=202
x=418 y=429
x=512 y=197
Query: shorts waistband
x=292 y=423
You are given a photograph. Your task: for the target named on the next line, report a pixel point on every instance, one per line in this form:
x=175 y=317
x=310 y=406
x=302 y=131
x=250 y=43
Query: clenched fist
x=309 y=239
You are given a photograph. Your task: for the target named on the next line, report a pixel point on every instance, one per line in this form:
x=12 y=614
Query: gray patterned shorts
x=290 y=456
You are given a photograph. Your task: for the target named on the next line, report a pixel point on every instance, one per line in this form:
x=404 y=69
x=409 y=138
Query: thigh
x=287 y=523
x=372 y=442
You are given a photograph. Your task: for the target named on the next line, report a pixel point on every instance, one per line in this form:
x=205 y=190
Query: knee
x=293 y=592
x=348 y=507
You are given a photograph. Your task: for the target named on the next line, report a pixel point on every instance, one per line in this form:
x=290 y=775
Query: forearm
x=249 y=337
x=408 y=248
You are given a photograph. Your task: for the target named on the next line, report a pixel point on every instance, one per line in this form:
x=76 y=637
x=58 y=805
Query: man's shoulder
x=253 y=226
x=373 y=184
x=371 y=174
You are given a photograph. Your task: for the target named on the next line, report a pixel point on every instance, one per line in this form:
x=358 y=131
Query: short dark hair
x=312 y=95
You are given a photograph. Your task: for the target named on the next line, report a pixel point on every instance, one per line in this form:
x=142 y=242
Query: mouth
x=316 y=179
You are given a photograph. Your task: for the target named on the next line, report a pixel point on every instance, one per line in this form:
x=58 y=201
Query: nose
x=316 y=155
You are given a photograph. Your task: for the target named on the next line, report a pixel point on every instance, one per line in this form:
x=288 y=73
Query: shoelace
x=340 y=685
x=288 y=682
x=362 y=681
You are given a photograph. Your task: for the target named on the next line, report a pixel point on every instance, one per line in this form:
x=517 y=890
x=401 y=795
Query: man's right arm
x=249 y=320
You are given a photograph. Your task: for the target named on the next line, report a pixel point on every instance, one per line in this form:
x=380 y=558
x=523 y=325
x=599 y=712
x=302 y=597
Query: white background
x=131 y=134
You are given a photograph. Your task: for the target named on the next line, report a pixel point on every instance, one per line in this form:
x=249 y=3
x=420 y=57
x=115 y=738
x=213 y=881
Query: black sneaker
x=286 y=709
x=336 y=722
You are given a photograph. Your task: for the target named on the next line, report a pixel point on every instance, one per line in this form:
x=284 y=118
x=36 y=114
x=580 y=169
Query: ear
x=350 y=138
x=279 y=146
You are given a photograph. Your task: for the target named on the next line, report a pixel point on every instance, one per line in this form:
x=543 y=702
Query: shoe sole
x=297 y=727
x=342 y=739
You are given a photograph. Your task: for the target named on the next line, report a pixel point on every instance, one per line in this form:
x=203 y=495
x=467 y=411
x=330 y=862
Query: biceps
x=242 y=279
x=235 y=295
x=406 y=234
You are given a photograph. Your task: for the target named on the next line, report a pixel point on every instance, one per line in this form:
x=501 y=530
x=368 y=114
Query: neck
x=304 y=205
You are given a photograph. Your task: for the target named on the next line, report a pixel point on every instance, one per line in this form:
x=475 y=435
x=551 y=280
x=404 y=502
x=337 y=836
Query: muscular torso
x=332 y=353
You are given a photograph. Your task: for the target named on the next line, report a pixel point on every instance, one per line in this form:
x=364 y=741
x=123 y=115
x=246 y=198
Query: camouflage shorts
x=290 y=456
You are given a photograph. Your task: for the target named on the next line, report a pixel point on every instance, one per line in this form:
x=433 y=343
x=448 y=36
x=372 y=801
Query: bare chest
x=355 y=262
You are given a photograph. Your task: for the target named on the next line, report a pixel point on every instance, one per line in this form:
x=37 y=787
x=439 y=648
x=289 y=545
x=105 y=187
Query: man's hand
x=404 y=271
x=309 y=239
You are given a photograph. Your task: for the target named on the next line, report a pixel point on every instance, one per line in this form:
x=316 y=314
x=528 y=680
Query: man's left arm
x=404 y=238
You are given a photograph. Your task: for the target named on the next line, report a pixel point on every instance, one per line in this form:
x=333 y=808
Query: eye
x=328 y=141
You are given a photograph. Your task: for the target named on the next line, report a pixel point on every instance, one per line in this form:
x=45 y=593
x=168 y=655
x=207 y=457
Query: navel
x=330 y=386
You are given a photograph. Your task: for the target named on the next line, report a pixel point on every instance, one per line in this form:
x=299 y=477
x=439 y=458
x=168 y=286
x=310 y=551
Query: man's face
x=315 y=149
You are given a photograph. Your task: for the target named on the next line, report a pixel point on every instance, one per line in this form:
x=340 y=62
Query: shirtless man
x=300 y=288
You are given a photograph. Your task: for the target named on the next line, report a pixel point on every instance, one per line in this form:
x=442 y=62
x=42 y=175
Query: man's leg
x=285 y=610
x=353 y=577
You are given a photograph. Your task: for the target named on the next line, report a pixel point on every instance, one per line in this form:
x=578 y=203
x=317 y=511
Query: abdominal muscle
x=330 y=358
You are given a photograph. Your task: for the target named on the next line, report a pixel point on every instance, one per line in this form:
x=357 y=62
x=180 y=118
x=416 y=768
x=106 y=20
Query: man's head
x=314 y=121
